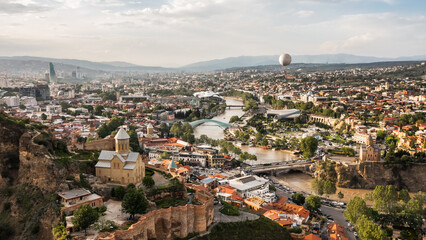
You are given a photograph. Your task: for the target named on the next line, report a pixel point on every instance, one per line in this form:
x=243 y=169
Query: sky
x=173 y=33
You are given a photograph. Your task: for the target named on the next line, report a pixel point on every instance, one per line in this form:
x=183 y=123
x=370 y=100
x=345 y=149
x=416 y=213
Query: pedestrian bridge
x=196 y=123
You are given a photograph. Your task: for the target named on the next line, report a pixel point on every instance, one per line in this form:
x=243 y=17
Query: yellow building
x=121 y=166
x=369 y=152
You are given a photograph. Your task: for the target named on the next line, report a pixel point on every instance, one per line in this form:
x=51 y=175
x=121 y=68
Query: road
x=336 y=213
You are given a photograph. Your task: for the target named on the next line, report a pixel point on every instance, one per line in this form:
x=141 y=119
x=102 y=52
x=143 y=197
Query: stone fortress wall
x=172 y=222
x=98 y=145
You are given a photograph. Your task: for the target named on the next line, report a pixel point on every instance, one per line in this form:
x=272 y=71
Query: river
x=215 y=132
x=295 y=180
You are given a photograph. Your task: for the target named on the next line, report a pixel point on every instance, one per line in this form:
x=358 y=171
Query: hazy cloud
x=13 y=7
x=178 y=32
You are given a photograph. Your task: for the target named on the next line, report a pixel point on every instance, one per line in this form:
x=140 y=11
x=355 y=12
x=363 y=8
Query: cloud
x=304 y=13
x=14 y=7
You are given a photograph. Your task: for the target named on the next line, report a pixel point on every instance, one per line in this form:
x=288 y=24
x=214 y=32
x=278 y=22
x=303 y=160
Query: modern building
x=52 y=73
x=41 y=92
x=11 y=101
x=121 y=166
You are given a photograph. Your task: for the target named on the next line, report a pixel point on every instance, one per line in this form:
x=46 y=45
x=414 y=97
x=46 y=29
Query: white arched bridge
x=216 y=122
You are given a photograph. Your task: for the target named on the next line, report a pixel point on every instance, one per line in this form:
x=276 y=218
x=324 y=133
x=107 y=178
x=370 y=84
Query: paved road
x=219 y=217
x=337 y=214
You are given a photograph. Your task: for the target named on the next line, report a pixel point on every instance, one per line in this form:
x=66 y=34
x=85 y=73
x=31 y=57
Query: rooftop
x=122 y=134
x=75 y=193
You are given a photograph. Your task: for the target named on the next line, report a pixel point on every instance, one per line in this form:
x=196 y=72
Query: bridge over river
x=281 y=167
x=216 y=122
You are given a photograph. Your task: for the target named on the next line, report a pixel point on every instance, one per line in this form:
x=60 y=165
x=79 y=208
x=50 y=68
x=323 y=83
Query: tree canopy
x=309 y=145
x=84 y=216
x=313 y=202
x=134 y=202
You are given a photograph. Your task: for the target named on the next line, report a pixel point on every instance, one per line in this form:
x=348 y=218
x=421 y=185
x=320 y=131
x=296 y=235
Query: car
x=356 y=234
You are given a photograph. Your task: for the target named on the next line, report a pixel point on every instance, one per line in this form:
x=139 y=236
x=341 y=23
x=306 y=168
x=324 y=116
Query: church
x=369 y=152
x=121 y=166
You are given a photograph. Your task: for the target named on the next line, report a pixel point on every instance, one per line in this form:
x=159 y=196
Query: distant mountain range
x=246 y=61
x=39 y=64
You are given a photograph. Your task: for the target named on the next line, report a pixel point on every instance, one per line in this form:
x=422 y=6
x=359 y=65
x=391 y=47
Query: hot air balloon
x=285 y=59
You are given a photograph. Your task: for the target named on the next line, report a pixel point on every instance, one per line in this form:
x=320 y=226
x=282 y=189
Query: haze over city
x=177 y=32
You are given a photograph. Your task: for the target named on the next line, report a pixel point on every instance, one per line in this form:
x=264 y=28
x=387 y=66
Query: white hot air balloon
x=285 y=59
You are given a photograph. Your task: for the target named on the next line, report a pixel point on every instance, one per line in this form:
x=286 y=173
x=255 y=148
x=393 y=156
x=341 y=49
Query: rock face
x=29 y=182
x=368 y=175
x=171 y=223
x=37 y=167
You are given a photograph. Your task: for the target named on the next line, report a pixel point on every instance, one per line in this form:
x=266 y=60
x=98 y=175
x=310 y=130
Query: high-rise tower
x=52 y=73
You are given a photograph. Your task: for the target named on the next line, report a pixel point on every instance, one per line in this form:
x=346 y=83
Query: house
x=336 y=232
x=121 y=166
x=74 y=198
x=312 y=237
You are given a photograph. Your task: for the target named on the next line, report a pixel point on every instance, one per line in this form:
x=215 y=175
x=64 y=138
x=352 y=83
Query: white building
x=29 y=101
x=53 y=109
x=246 y=186
x=12 y=101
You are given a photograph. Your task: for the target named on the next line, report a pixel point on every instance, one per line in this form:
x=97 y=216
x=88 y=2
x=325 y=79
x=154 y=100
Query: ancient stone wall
x=170 y=223
x=98 y=145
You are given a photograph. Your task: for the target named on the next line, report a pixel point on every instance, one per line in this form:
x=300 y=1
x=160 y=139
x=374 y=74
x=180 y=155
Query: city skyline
x=177 y=32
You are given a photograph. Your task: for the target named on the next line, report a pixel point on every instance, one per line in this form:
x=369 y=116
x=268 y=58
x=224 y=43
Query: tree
x=355 y=209
x=98 y=110
x=118 y=192
x=43 y=116
x=421 y=197
x=329 y=187
x=369 y=230
x=318 y=186
x=84 y=216
x=392 y=142
x=309 y=145
x=340 y=195
x=148 y=182
x=404 y=196
x=103 y=131
x=313 y=202
x=298 y=198
x=272 y=188
x=381 y=135
x=134 y=202
x=176 y=130
x=164 y=129
x=60 y=233
x=234 y=119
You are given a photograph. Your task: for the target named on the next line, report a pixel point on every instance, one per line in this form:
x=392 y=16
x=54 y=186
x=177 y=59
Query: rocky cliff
x=368 y=175
x=29 y=181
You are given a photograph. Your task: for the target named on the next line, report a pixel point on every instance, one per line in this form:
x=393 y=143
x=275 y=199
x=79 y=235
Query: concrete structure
x=121 y=166
x=369 y=152
x=281 y=167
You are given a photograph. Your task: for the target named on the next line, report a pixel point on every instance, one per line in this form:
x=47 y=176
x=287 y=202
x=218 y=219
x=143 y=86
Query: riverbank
x=301 y=182
x=233 y=98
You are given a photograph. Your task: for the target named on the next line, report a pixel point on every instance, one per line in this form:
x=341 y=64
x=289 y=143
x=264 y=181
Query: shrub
x=229 y=210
